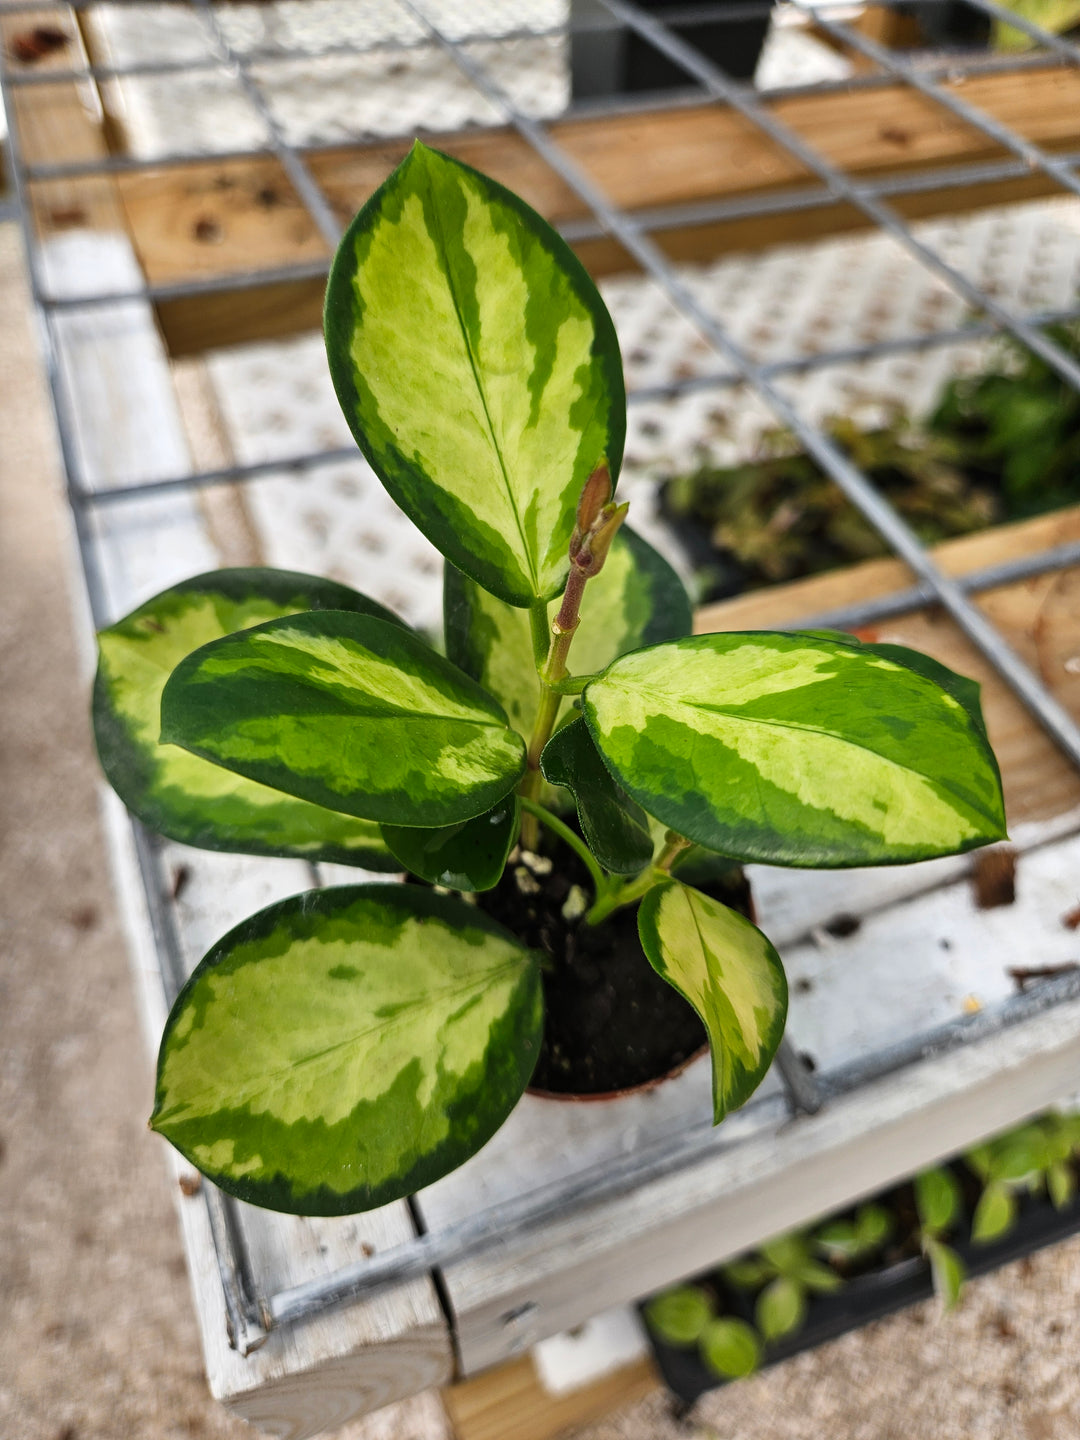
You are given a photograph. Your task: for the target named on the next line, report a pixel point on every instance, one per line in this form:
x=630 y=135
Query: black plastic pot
x=871 y=1296
x=953 y=23
x=616 y=61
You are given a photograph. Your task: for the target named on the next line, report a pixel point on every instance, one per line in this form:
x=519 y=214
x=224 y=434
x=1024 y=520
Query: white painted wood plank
x=535 y=1285
x=318 y=1373
x=911 y=966
x=919 y=964
x=792 y=903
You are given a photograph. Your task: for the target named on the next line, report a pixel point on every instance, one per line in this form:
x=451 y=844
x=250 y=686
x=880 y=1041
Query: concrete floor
x=98 y=1339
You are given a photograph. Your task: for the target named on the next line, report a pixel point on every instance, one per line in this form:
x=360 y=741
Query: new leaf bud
x=592 y=556
x=595 y=496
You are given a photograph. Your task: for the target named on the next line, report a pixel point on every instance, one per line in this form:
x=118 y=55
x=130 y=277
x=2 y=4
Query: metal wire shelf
x=251 y=1313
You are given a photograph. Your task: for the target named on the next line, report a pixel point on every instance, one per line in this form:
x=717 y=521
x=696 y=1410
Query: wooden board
x=61 y=123
x=228 y=218
x=510 y=1403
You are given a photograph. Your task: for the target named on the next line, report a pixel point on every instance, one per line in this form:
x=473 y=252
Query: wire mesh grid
x=497 y=65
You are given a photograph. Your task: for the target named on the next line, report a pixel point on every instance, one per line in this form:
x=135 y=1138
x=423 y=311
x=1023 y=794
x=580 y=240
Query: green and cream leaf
x=796 y=750
x=478 y=368
x=729 y=972
x=636 y=600
x=346 y=1047
x=468 y=856
x=348 y=712
x=961 y=687
x=177 y=793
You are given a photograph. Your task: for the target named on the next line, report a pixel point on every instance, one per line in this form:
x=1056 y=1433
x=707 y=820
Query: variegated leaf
x=615 y=828
x=796 y=750
x=478 y=368
x=348 y=712
x=345 y=1047
x=178 y=794
x=960 y=687
x=728 y=971
x=637 y=599
x=468 y=856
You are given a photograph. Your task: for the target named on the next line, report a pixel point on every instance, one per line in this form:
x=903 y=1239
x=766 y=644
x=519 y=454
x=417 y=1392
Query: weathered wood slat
x=535 y=1285
x=220 y=219
x=511 y=1404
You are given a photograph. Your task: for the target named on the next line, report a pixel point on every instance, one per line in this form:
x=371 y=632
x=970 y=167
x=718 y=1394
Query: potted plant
x=347 y=1046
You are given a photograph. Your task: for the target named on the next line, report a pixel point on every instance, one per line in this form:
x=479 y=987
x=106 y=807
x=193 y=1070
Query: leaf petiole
x=572 y=684
x=640 y=885
x=558 y=827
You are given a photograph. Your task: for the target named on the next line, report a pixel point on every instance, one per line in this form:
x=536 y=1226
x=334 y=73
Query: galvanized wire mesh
x=244 y=81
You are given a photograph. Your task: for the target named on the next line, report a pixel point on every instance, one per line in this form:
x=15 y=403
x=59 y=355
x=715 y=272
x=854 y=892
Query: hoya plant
x=346 y=1046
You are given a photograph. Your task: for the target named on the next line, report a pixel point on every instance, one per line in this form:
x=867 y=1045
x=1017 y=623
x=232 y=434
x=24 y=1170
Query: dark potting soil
x=610 y=1021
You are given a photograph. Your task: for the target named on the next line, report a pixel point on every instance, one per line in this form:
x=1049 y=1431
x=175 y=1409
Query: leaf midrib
x=725 y=1058
x=512 y=499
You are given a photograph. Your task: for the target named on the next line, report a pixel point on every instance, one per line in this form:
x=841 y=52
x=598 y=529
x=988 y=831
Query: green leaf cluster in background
x=1016 y=427
x=1002 y=444
x=1035 y=1158
x=782 y=1277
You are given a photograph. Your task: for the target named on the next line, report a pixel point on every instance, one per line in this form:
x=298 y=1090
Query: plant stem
x=631 y=890
x=551 y=671
x=542 y=813
x=541 y=633
x=674 y=845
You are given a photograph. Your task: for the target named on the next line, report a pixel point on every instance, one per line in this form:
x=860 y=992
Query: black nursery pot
x=617 y=61
x=868 y=1297
x=612 y=1026
x=952 y=23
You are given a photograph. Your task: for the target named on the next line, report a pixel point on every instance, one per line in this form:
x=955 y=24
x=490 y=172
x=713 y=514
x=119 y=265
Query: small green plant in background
x=785 y=1273
x=1000 y=445
x=1015 y=428
x=687 y=1316
x=939 y=1203
x=347 y=1046
x=782 y=1275
x=1034 y=1158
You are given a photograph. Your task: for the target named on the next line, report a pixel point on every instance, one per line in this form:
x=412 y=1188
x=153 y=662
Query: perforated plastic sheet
x=782 y=304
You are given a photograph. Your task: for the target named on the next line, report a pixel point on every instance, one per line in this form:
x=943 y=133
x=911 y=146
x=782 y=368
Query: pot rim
x=640 y=1089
